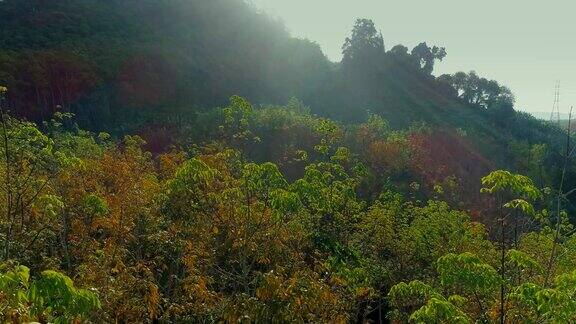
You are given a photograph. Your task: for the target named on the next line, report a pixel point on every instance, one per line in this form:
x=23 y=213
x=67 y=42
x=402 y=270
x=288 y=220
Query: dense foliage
x=342 y=226
x=379 y=195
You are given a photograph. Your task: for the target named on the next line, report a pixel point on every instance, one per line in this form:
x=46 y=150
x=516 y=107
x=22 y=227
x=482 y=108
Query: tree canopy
x=190 y=161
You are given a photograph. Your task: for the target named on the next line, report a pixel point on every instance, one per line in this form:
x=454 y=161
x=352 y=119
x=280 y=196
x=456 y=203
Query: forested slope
x=190 y=161
x=348 y=225
x=154 y=68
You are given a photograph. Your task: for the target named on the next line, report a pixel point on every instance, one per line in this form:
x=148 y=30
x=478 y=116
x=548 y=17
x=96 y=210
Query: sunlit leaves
x=285 y=202
x=439 y=311
x=193 y=172
x=14 y=284
x=419 y=303
x=56 y=293
x=341 y=156
x=538 y=304
x=188 y=187
x=262 y=179
x=325 y=187
x=467 y=273
x=51 y=205
x=300 y=298
x=524 y=262
x=95 y=205
x=51 y=297
x=412 y=294
x=237 y=118
x=26 y=145
x=437 y=230
x=521 y=205
x=505 y=181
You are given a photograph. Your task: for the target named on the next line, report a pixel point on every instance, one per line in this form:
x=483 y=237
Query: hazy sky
x=524 y=44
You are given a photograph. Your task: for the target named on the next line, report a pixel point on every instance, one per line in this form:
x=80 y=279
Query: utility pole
x=556 y=106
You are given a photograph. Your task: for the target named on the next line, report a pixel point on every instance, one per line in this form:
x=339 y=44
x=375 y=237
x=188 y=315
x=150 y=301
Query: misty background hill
x=127 y=66
x=107 y=59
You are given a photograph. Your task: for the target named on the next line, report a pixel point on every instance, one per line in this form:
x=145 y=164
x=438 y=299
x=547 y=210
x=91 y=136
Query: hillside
x=175 y=56
x=122 y=66
x=190 y=161
x=155 y=67
x=116 y=62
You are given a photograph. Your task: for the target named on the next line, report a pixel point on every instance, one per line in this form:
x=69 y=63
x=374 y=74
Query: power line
x=556 y=106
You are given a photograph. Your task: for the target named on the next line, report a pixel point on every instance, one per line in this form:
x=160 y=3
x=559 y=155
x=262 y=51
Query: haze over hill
x=546 y=115
x=153 y=67
x=528 y=50
x=191 y=161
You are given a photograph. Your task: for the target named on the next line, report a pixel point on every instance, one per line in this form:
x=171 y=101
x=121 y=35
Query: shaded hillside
x=156 y=67
x=110 y=60
x=114 y=62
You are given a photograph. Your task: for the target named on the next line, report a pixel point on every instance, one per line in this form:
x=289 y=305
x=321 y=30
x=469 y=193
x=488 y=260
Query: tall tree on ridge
x=364 y=47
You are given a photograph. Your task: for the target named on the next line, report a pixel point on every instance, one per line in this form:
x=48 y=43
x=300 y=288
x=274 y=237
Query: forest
x=189 y=161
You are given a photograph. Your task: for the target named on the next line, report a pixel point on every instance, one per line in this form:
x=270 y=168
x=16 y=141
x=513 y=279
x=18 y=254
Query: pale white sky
x=524 y=44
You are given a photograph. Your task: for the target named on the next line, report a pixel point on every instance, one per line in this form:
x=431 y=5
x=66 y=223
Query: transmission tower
x=556 y=106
